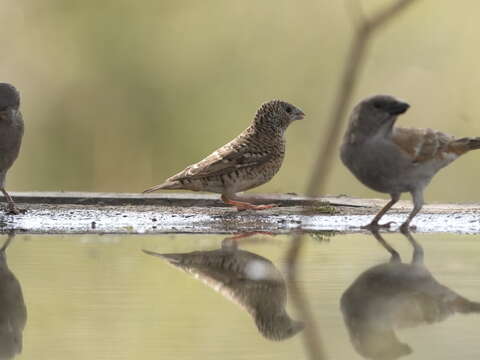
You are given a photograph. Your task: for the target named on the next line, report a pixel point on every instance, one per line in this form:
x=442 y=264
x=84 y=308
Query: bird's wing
x=227 y=159
x=424 y=144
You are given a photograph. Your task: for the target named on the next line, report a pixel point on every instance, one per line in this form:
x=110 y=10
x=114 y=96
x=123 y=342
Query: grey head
x=9 y=101
x=369 y=310
x=376 y=113
x=9 y=97
x=379 y=345
x=277 y=115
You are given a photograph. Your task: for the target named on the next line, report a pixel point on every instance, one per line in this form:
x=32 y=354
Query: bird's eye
x=288 y=109
x=377 y=105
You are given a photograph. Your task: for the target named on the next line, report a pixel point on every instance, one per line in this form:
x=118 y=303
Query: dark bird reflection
x=247 y=279
x=13 y=313
x=393 y=296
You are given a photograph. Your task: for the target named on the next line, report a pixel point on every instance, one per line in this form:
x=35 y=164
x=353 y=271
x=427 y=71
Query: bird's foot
x=405 y=228
x=242 y=206
x=248 y=234
x=258 y=207
x=13 y=210
x=374 y=226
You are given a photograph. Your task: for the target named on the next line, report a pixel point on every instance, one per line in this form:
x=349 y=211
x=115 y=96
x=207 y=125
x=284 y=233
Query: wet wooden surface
x=79 y=212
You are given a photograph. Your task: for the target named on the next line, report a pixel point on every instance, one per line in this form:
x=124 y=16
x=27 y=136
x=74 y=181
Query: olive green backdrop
x=118 y=95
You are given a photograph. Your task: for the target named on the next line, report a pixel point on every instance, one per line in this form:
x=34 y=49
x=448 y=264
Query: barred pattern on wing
x=249 y=160
x=239 y=153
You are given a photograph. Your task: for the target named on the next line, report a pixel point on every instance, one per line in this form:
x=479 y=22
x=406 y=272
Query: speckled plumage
x=247 y=279
x=395 y=160
x=249 y=160
x=11 y=133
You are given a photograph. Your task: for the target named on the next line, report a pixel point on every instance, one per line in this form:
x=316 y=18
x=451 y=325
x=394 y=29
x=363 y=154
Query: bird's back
x=247 y=161
x=407 y=158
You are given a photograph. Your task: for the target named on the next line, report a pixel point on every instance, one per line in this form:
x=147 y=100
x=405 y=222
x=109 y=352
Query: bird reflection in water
x=396 y=295
x=13 y=313
x=247 y=279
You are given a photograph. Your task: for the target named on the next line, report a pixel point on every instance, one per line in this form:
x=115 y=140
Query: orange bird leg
x=248 y=234
x=241 y=205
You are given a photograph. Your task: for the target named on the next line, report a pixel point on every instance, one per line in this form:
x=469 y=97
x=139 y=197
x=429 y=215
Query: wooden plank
x=160 y=199
x=186 y=199
x=100 y=213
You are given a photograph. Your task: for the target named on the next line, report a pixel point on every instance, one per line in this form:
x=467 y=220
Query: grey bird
x=396 y=295
x=392 y=159
x=13 y=312
x=248 y=161
x=247 y=279
x=11 y=133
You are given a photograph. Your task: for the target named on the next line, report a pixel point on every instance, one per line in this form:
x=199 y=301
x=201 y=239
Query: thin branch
x=355 y=11
x=311 y=334
x=385 y=15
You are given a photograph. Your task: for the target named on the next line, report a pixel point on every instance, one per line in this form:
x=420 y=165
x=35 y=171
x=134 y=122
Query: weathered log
x=77 y=212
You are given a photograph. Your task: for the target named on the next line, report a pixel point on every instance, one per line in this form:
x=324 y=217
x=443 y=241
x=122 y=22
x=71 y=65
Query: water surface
x=101 y=297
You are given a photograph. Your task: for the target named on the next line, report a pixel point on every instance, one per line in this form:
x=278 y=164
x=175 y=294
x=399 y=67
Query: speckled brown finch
x=248 y=279
x=395 y=160
x=11 y=133
x=249 y=160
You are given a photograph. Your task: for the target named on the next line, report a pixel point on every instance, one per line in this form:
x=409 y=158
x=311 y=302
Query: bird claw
x=256 y=207
x=13 y=210
x=406 y=228
x=376 y=226
x=387 y=225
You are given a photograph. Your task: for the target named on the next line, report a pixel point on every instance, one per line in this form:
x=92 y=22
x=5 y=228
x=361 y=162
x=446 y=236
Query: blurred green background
x=118 y=95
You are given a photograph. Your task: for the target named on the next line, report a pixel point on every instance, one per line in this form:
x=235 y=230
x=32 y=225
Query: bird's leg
x=7 y=242
x=244 y=235
x=417 y=258
x=232 y=242
x=395 y=255
x=11 y=207
x=418 y=202
x=374 y=224
x=242 y=205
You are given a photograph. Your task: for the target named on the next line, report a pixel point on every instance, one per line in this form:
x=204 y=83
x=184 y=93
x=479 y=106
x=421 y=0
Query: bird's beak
x=398 y=108
x=299 y=115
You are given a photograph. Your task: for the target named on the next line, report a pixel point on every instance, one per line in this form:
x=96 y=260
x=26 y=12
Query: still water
x=101 y=297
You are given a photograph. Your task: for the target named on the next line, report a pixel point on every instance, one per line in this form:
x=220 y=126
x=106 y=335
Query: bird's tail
x=465 y=306
x=168 y=185
x=474 y=143
x=466 y=144
x=171 y=258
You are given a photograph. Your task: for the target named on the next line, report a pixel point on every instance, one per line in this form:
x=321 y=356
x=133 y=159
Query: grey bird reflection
x=247 y=279
x=393 y=296
x=13 y=313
